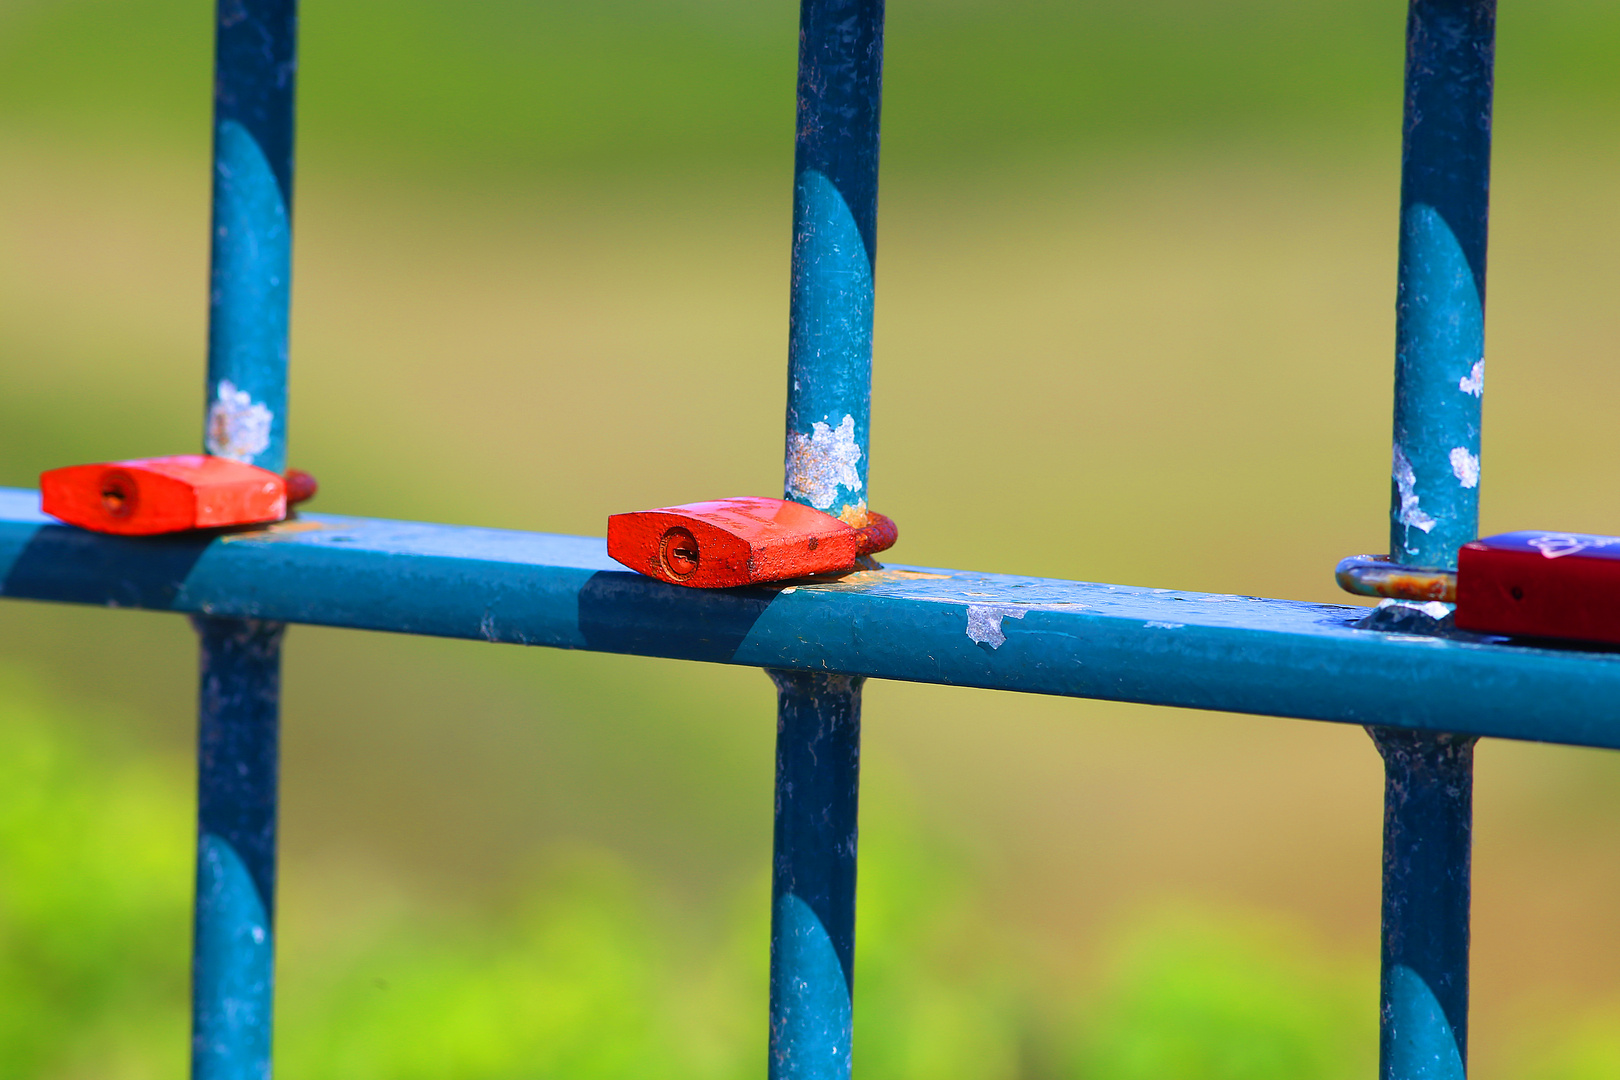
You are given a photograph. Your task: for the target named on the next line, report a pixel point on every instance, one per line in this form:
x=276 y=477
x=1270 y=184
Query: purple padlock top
x=1556 y=545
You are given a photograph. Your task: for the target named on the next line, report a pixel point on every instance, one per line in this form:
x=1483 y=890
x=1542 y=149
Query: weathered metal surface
x=1376 y=575
x=818 y=750
x=1434 y=511
x=834 y=242
x=161 y=495
x=233 y=980
x=1428 y=827
x=251 y=277
x=1160 y=646
x=1440 y=307
x=728 y=542
x=827 y=449
x=255 y=65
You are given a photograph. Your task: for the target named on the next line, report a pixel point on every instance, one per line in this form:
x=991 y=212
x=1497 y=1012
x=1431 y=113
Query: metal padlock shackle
x=1552 y=585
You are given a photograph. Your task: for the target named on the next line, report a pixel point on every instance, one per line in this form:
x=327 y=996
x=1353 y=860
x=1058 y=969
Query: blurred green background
x=1135 y=316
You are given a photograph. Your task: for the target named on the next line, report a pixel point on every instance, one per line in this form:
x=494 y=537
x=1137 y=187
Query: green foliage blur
x=576 y=975
x=517 y=87
x=1135 y=291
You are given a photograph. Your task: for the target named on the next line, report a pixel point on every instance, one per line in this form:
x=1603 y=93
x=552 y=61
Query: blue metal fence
x=1425 y=697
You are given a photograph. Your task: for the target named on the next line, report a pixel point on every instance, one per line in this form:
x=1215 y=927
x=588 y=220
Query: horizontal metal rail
x=962 y=628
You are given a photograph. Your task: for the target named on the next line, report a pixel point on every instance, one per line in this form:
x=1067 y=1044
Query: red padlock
x=742 y=541
x=1541 y=584
x=169 y=494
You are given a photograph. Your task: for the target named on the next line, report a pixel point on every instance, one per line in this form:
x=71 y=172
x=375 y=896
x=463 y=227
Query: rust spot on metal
x=1378 y=575
x=853 y=580
x=879 y=534
x=270 y=532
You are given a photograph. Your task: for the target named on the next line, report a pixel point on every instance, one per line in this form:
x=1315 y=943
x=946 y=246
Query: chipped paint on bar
x=1465 y=466
x=1077 y=639
x=984 y=623
x=1474 y=382
x=238 y=427
x=821 y=463
x=1410 y=514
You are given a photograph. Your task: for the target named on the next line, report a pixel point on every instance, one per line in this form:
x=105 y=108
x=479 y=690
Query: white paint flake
x=1474 y=381
x=822 y=462
x=984 y=622
x=1465 y=467
x=1411 y=514
x=1434 y=609
x=238 y=426
x=1163 y=625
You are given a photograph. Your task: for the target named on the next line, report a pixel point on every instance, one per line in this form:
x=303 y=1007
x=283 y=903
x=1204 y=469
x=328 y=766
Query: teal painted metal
x=921 y=624
x=834 y=244
x=1440 y=307
x=827 y=449
x=818 y=750
x=1434 y=510
x=1428 y=828
x=251 y=278
x=233 y=974
x=250 y=288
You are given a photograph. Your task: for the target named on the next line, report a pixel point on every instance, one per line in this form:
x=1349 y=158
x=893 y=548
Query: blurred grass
x=1134 y=324
x=579 y=972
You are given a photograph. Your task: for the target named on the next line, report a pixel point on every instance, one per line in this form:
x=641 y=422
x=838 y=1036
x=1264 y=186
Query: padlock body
x=163 y=495
x=741 y=541
x=1541 y=584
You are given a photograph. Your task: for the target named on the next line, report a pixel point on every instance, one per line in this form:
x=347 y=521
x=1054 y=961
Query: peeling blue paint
x=1440 y=305
x=1441 y=339
x=232 y=973
x=834 y=247
x=818 y=750
x=250 y=289
x=247 y=328
x=1434 y=510
x=1428 y=839
x=826 y=454
x=238 y=750
x=1078 y=639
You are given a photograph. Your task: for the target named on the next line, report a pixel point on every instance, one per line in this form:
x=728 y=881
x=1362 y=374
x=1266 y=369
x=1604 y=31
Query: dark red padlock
x=149 y=496
x=741 y=541
x=1541 y=584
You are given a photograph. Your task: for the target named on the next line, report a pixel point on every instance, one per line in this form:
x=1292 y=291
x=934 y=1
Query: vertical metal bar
x=834 y=240
x=818 y=752
x=255 y=62
x=1434 y=510
x=1440 y=304
x=238 y=715
x=1428 y=826
x=828 y=411
x=237 y=749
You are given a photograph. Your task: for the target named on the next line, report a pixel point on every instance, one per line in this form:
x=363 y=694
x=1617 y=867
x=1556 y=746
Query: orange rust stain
x=860 y=579
x=280 y=528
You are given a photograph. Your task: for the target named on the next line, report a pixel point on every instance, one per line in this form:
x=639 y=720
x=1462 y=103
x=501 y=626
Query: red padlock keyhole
x=151 y=496
x=742 y=541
